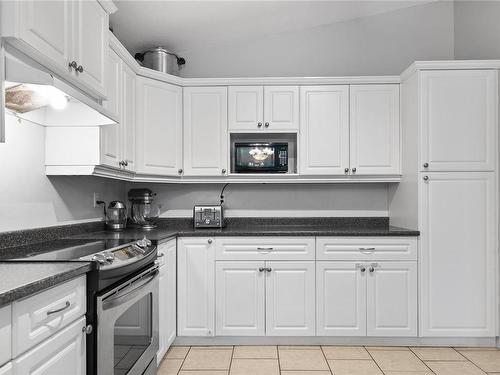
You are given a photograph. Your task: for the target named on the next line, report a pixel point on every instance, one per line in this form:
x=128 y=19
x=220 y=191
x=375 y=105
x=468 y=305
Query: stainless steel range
x=122 y=302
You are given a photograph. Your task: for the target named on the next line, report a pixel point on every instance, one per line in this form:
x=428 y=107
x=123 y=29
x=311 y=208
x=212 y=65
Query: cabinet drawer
x=5 y=334
x=37 y=317
x=259 y=248
x=366 y=248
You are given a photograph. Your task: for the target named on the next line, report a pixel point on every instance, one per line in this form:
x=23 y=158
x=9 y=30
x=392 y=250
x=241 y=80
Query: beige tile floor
x=328 y=360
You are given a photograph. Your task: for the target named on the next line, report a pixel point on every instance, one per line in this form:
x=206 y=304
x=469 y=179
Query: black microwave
x=261 y=157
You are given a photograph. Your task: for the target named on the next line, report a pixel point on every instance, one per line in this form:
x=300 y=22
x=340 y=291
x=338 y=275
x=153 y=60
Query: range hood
x=34 y=94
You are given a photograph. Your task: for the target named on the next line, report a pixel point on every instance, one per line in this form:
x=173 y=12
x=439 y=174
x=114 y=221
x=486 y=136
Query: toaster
x=208 y=216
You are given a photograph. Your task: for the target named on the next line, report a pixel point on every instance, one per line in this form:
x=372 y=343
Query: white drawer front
x=5 y=334
x=366 y=248
x=37 y=317
x=265 y=248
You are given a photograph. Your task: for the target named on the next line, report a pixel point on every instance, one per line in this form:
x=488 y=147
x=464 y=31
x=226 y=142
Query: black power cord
x=222 y=193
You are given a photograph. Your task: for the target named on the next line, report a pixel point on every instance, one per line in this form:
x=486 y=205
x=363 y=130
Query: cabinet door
x=374 y=129
x=457 y=254
x=392 y=299
x=47 y=27
x=162 y=313
x=159 y=127
x=246 y=107
x=90 y=42
x=290 y=300
x=324 y=130
x=63 y=353
x=6 y=369
x=128 y=118
x=205 y=131
x=240 y=299
x=111 y=134
x=281 y=108
x=341 y=299
x=458 y=120
x=196 y=287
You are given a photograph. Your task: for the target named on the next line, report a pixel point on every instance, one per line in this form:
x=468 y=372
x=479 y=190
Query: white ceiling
x=186 y=25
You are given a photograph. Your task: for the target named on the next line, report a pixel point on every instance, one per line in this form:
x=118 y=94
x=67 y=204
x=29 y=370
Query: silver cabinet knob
x=371 y=269
x=223 y=171
x=266 y=124
x=180 y=171
x=269 y=269
x=426 y=178
x=353 y=170
x=346 y=170
x=73 y=64
x=261 y=269
x=209 y=241
x=259 y=124
x=120 y=163
x=426 y=165
x=362 y=269
x=79 y=69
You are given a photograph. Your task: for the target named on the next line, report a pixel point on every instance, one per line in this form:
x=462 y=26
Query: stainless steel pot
x=160 y=59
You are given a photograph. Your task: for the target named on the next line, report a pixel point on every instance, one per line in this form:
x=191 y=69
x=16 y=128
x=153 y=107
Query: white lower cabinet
x=240 y=299
x=167 y=325
x=290 y=300
x=257 y=298
x=359 y=299
x=5 y=334
x=62 y=354
x=6 y=369
x=196 y=286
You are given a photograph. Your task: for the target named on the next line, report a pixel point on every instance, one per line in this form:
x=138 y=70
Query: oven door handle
x=129 y=289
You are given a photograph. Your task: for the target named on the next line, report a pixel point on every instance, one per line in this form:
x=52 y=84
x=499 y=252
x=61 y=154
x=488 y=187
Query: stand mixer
x=143 y=211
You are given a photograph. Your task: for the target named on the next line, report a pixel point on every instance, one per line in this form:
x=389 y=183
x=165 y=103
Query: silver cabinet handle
x=120 y=163
x=371 y=269
x=266 y=124
x=269 y=269
x=73 y=64
x=265 y=248
x=361 y=267
x=223 y=171
x=160 y=255
x=353 y=170
x=426 y=165
x=67 y=304
x=426 y=178
x=209 y=241
x=261 y=269
x=346 y=170
x=79 y=69
x=367 y=250
x=180 y=171
x=259 y=124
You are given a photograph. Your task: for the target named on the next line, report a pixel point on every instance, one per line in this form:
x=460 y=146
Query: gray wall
x=477 y=30
x=384 y=44
x=29 y=199
x=333 y=199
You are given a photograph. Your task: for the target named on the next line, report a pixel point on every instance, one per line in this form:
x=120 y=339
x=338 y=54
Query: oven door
x=127 y=325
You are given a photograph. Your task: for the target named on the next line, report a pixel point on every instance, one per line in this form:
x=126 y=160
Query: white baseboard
x=317 y=340
x=282 y=213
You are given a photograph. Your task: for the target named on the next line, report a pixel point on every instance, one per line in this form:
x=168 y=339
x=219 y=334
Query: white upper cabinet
x=240 y=298
x=392 y=299
x=290 y=299
x=205 y=131
x=246 y=108
x=128 y=118
x=68 y=37
x=324 y=130
x=341 y=299
x=196 y=287
x=458 y=120
x=374 y=129
x=458 y=254
x=281 y=108
x=159 y=127
x=90 y=42
x=111 y=134
x=269 y=108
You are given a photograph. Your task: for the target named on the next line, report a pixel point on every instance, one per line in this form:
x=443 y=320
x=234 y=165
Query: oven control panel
x=123 y=254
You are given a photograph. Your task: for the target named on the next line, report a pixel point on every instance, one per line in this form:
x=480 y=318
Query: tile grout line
x=231 y=360
x=373 y=359
x=326 y=359
x=184 y=360
x=278 y=354
x=421 y=360
x=470 y=361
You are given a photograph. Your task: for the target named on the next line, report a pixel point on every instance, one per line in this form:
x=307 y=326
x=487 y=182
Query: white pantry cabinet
x=70 y=36
x=158 y=127
x=458 y=120
x=458 y=247
x=268 y=108
x=240 y=298
x=374 y=129
x=63 y=353
x=366 y=298
x=205 y=131
x=196 y=286
x=324 y=130
x=167 y=325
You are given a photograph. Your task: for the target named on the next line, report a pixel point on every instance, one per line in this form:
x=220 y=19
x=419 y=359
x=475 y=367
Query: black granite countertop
x=21 y=279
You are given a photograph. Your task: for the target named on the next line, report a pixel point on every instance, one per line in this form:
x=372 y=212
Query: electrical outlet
x=97 y=197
